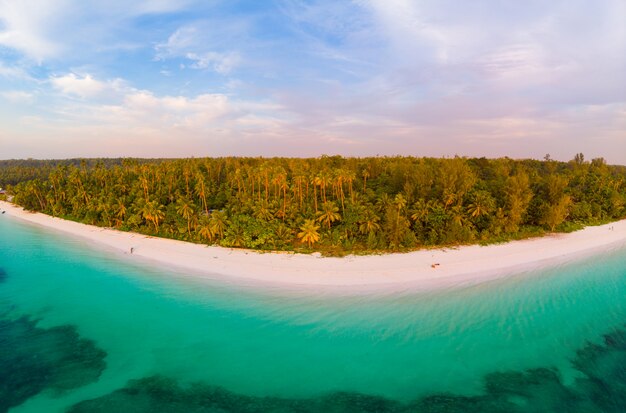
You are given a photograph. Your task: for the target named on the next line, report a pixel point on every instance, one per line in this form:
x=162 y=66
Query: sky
x=183 y=78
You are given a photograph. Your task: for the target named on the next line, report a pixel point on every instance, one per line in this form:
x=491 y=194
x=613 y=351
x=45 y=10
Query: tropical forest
x=330 y=204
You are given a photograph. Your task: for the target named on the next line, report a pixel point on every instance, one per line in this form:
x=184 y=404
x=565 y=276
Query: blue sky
x=303 y=78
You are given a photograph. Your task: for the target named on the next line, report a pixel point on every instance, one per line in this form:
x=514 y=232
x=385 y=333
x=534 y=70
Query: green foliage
x=331 y=204
x=309 y=232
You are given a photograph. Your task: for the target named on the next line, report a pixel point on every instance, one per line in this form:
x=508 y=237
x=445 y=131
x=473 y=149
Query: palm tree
x=299 y=179
x=144 y=185
x=121 y=211
x=350 y=176
x=339 y=178
x=328 y=214
x=458 y=216
x=153 y=212
x=309 y=232
x=316 y=181
x=482 y=204
x=236 y=236
x=263 y=212
x=284 y=234
x=400 y=203
x=369 y=223
x=200 y=190
x=395 y=224
x=218 y=222
x=185 y=209
x=420 y=210
x=448 y=199
x=321 y=180
x=383 y=202
x=205 y=230
x=365 y=174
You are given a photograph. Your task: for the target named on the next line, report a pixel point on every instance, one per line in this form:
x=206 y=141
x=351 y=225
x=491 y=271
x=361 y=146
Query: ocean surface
x=88 y=330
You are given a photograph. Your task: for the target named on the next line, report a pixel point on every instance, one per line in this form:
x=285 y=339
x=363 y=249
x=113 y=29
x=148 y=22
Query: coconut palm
x=420 y=210
x=205 y=230
x=235 y=235
x=309 y=232
x=365 y=174
x=283 y=234
x=328 y=214
x=218 y=222
x=121 y=211
x=383 y=202
x=316 y=181
x=482 y=204
x=458 y=215
x=200 y=190
x=153 y=212
x=184 y=208
x=263 y=212
x=369 y=223
x=400 y=202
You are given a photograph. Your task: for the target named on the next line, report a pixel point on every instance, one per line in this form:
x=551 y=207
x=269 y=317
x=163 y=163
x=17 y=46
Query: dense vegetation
x=331 y=204
x=14 y=171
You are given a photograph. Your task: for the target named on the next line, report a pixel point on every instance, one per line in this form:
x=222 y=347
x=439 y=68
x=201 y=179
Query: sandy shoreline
x=457 y=267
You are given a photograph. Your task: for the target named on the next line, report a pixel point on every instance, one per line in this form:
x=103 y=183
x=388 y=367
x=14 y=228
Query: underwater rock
x=350 y=402
x=532 y=390
x=167 y=396
x=538 y=390
x=605 y=369
x=33 y=359
x=3 y=275
x=460 y=404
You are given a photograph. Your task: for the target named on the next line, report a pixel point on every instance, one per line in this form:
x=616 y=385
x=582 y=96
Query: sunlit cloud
x=77 y=85
x=18 y=96
x=26 y=25
x=291 y=77
x=194 y=44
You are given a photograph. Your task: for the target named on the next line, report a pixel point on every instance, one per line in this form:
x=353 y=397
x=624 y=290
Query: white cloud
x=12 y=72
x=514 y=60
x=86 y=86
x=409 y=32
x=164 y=115
x=219 y=62
x=140 y=7
x=71 y=84
x=18 y=96
x=181 y=39
x=26 y=26
x=113 y=101
x=144 y=108
x=190 y=42
x=45 y=29
x=144 y=123
x=392 y=75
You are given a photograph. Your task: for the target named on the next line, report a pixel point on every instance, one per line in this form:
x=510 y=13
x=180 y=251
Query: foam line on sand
x=423 y=269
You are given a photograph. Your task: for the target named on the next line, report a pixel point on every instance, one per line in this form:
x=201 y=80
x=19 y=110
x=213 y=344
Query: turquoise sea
x=86 y=330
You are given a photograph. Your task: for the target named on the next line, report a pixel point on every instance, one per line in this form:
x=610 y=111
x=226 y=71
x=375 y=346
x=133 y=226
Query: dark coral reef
x=602 y=389
x=33 y=359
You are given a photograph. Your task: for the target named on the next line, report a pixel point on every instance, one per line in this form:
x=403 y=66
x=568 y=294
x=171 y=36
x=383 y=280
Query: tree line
x=331 y=204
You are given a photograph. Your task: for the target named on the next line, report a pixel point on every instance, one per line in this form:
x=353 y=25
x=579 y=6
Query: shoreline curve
x=456 y=267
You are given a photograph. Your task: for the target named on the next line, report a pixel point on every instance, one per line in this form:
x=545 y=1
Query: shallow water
x=144 y=335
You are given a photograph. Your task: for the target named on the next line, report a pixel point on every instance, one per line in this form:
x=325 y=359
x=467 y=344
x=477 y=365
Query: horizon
x=289 y=78
x=79 y=158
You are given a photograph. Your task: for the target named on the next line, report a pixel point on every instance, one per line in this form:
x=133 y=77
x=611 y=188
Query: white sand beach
x=418 y=270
